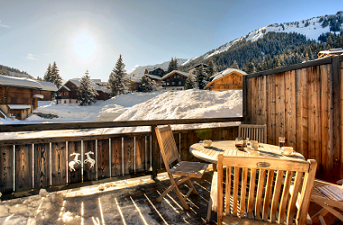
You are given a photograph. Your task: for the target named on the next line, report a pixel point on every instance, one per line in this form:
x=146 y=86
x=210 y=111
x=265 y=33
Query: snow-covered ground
x=137 y=106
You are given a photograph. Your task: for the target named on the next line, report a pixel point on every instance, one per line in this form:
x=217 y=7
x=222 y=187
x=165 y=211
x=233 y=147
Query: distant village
x=19 y=96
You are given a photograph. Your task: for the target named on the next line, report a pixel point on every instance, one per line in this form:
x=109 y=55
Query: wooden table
x=227 y=148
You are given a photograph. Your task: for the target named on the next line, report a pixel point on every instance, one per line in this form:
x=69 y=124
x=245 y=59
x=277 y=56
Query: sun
x=84 y=46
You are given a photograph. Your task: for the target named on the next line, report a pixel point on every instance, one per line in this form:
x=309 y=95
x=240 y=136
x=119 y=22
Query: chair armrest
x=214 y=191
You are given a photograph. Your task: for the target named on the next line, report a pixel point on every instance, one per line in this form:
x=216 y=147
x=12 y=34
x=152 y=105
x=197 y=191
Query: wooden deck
x=131 y=201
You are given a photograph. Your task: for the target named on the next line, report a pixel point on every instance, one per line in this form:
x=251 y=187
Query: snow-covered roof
x=19 y=82
x=13 y=106
x=175 y=71
x=76 y=81
x=65 y=87
x=48 y=86
x=224 y=73
x=154 y=77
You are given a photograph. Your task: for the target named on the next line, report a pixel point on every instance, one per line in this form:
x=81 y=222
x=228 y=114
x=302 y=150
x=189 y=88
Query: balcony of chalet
x=120 y=180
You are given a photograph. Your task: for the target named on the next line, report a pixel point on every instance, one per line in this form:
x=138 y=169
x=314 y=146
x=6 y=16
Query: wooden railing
x=41 y=162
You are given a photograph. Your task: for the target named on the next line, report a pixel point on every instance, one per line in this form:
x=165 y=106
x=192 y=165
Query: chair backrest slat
x=235 y=191
x=276 y=195
x=228 y=189
x=268 y=195
x=284 y=197
x=243 y=190
x=293 y=197
x=251 y=197
x=253 y=132
x=167 y=144
x=262 y=188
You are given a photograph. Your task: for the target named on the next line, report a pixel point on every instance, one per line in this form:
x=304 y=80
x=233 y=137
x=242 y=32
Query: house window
x=18 y=115
x=67 y=93
x=179 y=82
x=168 y=83
x=173 y=83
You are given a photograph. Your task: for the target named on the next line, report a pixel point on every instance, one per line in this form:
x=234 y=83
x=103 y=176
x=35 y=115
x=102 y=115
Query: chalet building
x=67 y=94
x=175 y=80
x=229 y=79
x=333 y=51
x=19 y=96
x=48 y=90
x=157 y=72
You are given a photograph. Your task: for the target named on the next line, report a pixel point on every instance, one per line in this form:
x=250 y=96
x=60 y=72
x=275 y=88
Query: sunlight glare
x=84 y=46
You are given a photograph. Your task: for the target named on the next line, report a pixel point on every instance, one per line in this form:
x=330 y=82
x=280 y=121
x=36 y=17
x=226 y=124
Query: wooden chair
x=253 y=132
x=262 y=191
x=185 y=169
x=328 y=205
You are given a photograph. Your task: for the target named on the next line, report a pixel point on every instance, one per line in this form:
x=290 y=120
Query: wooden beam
x=106 y=124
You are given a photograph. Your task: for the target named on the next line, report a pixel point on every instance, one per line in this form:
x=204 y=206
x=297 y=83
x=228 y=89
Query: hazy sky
x=81 y=35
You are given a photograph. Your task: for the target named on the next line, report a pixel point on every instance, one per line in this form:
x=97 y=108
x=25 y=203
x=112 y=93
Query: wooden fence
x=303 y=103
x=43 y=162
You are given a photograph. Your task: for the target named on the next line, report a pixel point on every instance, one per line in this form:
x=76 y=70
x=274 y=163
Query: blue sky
x=81 y=35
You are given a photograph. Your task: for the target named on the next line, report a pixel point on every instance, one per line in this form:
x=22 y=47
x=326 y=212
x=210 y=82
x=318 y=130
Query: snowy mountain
x=311 y=28
x=138 y=71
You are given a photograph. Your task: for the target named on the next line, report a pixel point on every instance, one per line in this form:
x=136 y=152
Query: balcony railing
x=41 y=161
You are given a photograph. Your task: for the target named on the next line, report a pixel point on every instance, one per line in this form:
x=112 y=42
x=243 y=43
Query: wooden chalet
x=333 y=51
x=157 y=72
x=17 y=96
x=229 y=79
x=175 y=80
x=47 y=92
x=67 y=94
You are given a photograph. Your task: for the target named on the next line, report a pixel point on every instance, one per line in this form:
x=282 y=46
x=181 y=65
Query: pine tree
x=234 y=65
x=118 y=80
x=201 y=77
x=146 y=84
x=86 y=92
x=190 y=82
x=55 y=76
x=210 y=68
x=48 y=75
x=172 y=65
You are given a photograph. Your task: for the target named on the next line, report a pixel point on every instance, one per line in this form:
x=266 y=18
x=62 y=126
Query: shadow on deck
x=130 y=201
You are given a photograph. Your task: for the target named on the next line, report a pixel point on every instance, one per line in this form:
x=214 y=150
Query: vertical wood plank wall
x=303 y=103
x=117 y=155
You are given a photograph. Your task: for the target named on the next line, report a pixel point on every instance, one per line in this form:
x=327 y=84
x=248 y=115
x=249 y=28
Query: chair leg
x=209 y=210
x=165 y=192
x=192 y=186
x=182 y=200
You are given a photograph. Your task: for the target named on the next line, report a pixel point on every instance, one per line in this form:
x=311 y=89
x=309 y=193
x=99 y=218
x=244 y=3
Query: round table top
x=228 y=148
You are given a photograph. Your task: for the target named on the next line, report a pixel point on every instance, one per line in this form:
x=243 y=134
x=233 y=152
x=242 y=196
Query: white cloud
x=3 y=25
x=31 y=57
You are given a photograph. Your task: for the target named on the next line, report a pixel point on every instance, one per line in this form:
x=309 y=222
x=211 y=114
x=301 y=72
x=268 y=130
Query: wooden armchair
x=262 y=191
x=184 y=169
x=253 y=132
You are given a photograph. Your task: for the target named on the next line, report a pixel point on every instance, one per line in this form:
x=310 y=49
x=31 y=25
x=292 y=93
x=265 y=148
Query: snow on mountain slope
x=312 y=28
x=138 y=71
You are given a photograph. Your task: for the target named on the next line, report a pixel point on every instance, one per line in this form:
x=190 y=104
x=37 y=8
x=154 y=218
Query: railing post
x=245 y=100
x=154 y=152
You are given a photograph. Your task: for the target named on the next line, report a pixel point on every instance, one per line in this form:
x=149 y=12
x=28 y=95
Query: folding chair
x=253 y=132
x=185 y=169
x=260 y=191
